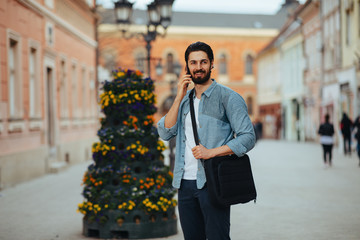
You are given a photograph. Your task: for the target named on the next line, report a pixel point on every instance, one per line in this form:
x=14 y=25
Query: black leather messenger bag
x=229 y=178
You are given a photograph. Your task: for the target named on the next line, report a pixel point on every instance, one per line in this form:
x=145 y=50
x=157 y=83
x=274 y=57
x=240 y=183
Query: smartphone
x=187 y=72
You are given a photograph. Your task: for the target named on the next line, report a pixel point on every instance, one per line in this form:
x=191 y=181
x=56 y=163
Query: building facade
x=349 y=76
x=280 y=83
x=236 y=39
x=269 y=89
x=311 y=31
x=48 y=109
x=331 y=62
x=324 y=35
x=292 y=79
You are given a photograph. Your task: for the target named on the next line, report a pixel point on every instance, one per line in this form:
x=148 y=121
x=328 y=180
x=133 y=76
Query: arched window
x=249 y=103
x=222 y=64
x=140 y=61
x=109 y=57
x=249 y=65
x=170 y=63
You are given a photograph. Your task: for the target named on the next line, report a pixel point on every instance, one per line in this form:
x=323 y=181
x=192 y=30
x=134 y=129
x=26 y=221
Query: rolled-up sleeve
x=237 y=114
x=166 y=133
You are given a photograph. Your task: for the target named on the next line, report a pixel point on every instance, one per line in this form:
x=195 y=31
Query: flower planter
x=128 y=178
x=130 y=228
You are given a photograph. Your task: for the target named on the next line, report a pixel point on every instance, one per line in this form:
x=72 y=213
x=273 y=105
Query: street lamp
x=159 y=14
x=166 y=106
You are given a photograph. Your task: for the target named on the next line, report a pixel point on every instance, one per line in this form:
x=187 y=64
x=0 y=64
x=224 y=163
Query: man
x=224 y=128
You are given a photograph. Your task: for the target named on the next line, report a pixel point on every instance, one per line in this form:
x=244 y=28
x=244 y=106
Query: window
x=74 y=102
x=169 y=63
x=63 y=91
x=83 y=103
x=93 y=105
x=15 y=85
x=34 y=84
x=249 y=65
x=140 y=61
x=108 y=56
x=348 y=27
x=223 y=64
x=49 y=34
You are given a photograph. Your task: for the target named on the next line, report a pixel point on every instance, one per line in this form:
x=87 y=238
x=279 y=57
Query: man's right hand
x=183 y=86
x=171 y=117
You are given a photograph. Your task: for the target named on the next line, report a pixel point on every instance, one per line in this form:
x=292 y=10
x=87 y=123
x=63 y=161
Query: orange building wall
x=24 y=153
x=237 y=47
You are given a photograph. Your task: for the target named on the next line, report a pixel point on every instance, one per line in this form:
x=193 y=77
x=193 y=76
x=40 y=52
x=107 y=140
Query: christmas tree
x=127 y=190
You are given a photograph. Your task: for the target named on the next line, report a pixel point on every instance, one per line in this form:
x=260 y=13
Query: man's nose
x=198 y=66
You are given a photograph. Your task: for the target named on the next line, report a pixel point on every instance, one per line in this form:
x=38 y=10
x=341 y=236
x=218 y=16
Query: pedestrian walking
x=357 y=136
x=345 y=126
x=258 y=129
x=326 y=131
x=220 y=114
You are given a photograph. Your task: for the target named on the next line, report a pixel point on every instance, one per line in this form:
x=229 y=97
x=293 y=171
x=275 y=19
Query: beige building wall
x=311 y=30
x=350 y=72
x=269 y=91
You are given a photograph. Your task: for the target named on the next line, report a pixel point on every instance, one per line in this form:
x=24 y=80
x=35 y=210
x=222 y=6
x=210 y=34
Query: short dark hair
x=199 y=46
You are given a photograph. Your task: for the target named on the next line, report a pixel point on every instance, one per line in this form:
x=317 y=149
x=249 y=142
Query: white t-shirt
x=191 y=163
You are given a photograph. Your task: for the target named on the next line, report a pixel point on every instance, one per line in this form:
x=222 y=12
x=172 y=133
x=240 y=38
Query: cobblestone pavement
x=298 y=199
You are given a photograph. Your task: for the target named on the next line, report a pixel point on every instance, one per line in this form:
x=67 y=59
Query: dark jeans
x=327 y=152
x=347 y=145
x=199 y=219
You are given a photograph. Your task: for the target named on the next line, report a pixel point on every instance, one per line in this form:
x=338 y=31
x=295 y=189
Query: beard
x=201 y=80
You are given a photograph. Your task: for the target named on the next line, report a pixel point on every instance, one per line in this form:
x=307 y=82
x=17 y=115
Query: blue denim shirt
x=223 y=120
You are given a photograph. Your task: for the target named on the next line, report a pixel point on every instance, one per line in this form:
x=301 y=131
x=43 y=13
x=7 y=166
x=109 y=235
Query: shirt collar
x=210 y=88
x=207 y=91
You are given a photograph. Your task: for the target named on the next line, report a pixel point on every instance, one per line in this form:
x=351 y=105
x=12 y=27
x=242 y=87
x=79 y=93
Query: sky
x=214 y=6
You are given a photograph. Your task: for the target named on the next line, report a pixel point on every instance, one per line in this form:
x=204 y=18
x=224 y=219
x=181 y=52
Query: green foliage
x=127 y=173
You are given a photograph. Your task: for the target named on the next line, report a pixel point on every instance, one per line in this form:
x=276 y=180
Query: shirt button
x=182 y=155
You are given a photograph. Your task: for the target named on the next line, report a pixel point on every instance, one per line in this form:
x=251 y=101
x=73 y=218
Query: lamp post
x=166 y=106
x=159 y=14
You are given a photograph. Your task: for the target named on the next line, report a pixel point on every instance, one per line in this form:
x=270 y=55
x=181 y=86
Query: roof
x=200 y=19
x=286 y=27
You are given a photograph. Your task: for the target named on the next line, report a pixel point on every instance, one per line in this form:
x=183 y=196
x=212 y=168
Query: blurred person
x=357 y=136
x=224 y=127
x=326 y=131
x=345 y=126
x=278 y=127
x=258 y=129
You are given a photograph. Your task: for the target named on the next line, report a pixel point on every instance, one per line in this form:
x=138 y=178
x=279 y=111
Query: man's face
x=199 y=66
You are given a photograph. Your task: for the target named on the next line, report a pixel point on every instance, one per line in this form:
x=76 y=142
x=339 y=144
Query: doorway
x=50 y=107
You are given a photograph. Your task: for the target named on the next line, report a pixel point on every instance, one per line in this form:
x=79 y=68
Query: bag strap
x=193 y=121
x=192 y=113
